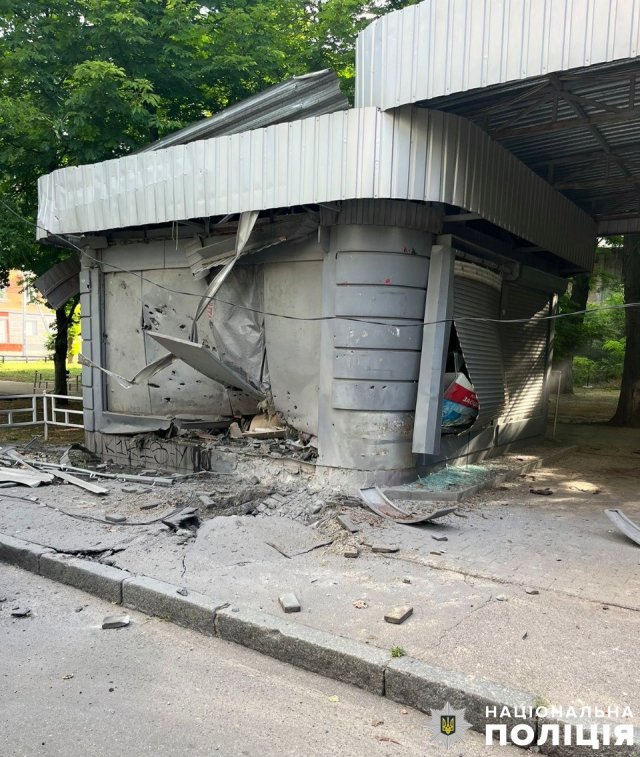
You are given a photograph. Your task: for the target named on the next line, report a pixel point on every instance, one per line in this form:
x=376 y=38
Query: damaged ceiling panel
x=312 y=94
x=61 y=282
x=203 y=255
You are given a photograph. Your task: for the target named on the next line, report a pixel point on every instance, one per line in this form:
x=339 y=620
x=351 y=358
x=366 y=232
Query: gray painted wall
x=130 y=302
x=294 y=289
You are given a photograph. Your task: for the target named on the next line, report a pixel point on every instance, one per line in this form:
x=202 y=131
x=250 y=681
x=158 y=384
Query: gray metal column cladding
x=373 y=273
x=435 y=341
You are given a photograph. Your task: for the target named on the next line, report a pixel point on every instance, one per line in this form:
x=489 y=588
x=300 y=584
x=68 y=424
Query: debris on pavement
x=532 y=591
x=187 y=517
x=624 y=524
x=25 y=478
x=345 y=522
x=21 y=612
x=360 y=604
x=351 y=552
x=289 y=602
x=440 y=538
x=542 y=492
x=90 y=487
x=115 y=518
x=384 y=548
x=116 y=621
x=398 y=615
x=502 y=597
x=378 y=503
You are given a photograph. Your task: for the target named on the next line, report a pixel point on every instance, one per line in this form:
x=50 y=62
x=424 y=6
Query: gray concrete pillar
x=374 y=283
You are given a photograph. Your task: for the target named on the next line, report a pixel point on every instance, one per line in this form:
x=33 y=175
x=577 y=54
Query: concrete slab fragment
x=289 y=602
x=398 y=615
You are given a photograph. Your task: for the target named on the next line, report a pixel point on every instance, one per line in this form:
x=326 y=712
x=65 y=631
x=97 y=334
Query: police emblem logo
x=448 y=726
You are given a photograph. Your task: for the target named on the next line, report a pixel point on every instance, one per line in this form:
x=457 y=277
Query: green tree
x=87 y=80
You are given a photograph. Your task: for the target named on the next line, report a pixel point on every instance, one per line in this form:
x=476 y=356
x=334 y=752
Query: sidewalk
x=573 y=643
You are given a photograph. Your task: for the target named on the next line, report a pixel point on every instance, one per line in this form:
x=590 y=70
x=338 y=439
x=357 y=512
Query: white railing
x=31 y=400
x=49 y=414
x=52 y=412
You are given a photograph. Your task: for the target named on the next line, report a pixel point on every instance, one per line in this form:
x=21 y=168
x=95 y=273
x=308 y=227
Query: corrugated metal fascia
x=407 y=154
x=60 y=282
x=302 y=96
x=440 y=47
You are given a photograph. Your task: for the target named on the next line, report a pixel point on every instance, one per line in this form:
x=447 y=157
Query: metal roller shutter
x=480 y=342
x=524 y=349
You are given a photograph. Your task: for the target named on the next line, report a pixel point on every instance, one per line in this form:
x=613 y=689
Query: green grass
x=14 y=370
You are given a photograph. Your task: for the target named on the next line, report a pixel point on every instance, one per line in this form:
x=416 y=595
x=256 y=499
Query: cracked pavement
x=572 y=643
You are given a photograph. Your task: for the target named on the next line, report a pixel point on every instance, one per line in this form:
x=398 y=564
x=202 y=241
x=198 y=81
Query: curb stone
x=426 y=687
x=153 y=597
x=318 y=651
x=24 y=554
x=95 y=578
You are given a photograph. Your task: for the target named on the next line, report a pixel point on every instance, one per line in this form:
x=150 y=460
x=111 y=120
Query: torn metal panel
x=114 y=423
x=93 y=488
x=61 y=282
x=141 y=376
x=216 y=251
x=376 y=501
x=246 y=222
x=300 y=97
x=31 y=477
x=624 y=524
x=203 y=360
x=237 y=330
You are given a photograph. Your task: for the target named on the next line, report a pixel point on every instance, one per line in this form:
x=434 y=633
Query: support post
x=438 y=310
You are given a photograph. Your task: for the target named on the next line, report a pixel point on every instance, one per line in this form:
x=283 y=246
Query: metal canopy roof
x=303 y=96
x=554 y=81
x=580 y=131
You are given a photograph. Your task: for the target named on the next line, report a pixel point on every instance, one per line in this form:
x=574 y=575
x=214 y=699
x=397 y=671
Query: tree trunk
x=60 y=351
x=579 y=297
x=628 y=411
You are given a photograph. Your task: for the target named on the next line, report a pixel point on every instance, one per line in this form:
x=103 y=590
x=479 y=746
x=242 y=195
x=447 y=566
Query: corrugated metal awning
x=407 y=154
x=553 y=81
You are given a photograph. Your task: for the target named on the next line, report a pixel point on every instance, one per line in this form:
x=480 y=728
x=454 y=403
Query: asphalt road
x=69 y=688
